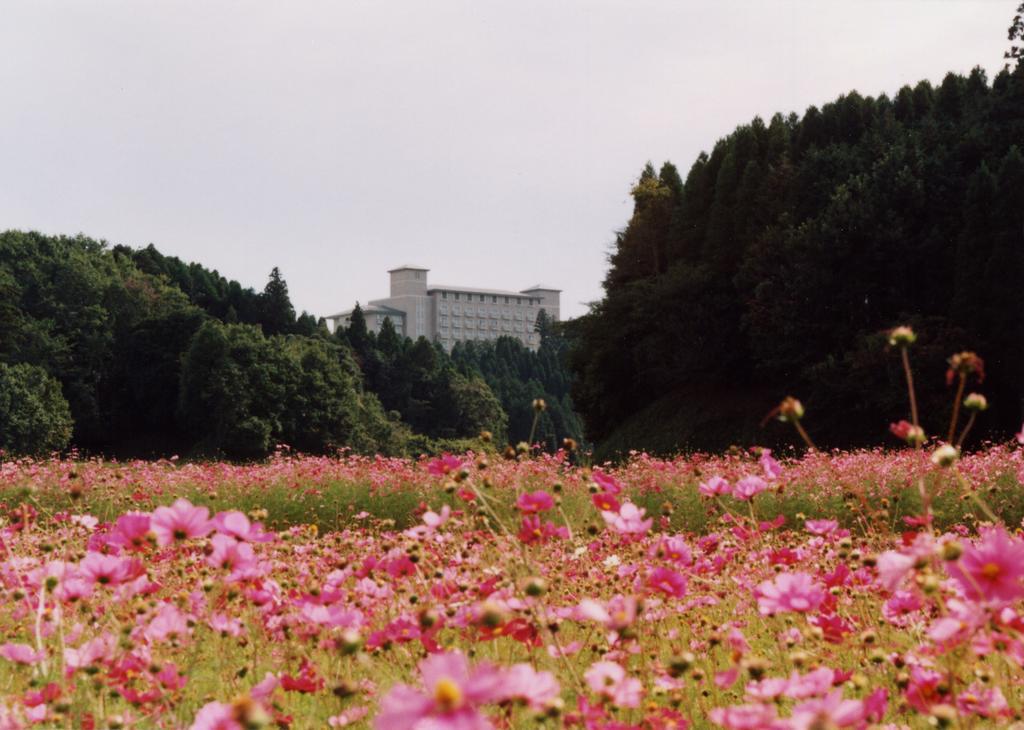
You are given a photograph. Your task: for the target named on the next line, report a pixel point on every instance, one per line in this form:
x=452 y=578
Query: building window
x=444 y=295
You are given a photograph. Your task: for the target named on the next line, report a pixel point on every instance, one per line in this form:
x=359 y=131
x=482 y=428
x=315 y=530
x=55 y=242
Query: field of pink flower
x=850 y=589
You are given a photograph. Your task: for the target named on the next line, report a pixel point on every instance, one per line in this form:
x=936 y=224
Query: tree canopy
x=781 y=260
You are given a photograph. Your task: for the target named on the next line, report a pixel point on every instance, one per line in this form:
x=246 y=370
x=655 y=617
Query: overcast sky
x=492 y=142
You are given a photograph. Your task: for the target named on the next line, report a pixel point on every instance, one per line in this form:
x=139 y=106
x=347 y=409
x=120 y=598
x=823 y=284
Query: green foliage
x=277 y=314
x=156 y=356
x=789 y=249
x=518 y=376
x=243 y=393
x=1015 y=34
x=34 y=417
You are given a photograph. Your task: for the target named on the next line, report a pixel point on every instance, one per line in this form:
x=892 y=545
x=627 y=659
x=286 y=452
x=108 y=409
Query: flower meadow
x=748 y=590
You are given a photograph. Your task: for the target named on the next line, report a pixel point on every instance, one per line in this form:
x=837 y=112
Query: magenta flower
x=525 y=684
x=629 y=520
x=607 y=483
x=821 y=527
x=533 y=502
x=609 y=680
x=109 y=569
x=983 y=701
x=746 y=717
x=893 y=567
x=216 y=716
x=714 y=486
x=789 y=592
x=605 y=502
x=231 y=555
x=180 y=521
x=444 y=464
x=990 y=570
x=772 y=469
x=235 y=524
x=749 y=487
x=131 y=531
x=667 y=581
x=829 y=711
x=451 y=697
x=21 y=654
x=532 y=530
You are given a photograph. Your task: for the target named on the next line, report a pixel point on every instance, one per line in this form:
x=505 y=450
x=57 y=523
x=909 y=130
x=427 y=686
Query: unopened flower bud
x=952 y=550
x=681 y=664
x=350 y=642
x=536 y=586
x=975 y=402
x=790 y=409
x=945 y=456
x=942 y=716
x=902 y=336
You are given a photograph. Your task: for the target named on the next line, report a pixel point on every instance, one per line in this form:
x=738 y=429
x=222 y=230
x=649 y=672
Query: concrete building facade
x=450 y=314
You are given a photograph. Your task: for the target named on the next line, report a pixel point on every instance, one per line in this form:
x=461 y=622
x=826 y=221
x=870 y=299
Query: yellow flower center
x=991 y=571
x=447 y=694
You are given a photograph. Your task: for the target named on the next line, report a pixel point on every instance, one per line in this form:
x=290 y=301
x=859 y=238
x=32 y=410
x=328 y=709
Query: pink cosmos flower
x=131 y=531
x=533 y=502
x=789 y=592
x=180 y=521
x=714 y=486
x=94 y=651
x=433 y=520
x=216 y=716
x=629 y=520
x=829 y=711
x=667 y=581
x=893 y=567
x=617 y=614
x=746 y=717
x=772 y=469
x=237 y=525
x=1020 y=436
x=982 y=701
x=992 y=569
x=607 y=483
x=229 y=554
x=533 y=530
x=349 y=716
x=902 y=608
x=444 y=464
x=605 y=502
x=672 y=548
x=609 y=680
x=815 y=683
x=821 y=527
x=169 y=623
x=451 y=697
x=109 y=569
x=21 y=654
x=525 y=684
x=749 y=487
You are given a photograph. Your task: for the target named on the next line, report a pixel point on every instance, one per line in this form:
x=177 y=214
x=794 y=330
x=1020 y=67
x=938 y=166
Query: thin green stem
x=967 y=429
x=956 y=407
x=910 y=385
x=803 y=434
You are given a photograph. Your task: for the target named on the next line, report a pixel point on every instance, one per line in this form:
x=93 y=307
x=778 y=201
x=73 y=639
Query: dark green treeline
x=781 y=260
x=129 y=352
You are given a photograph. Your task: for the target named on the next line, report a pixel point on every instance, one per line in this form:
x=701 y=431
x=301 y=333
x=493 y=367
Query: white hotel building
x=450 y=314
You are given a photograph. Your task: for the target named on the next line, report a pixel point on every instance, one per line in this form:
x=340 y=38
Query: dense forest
x=779 y=263
x=125 y=351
